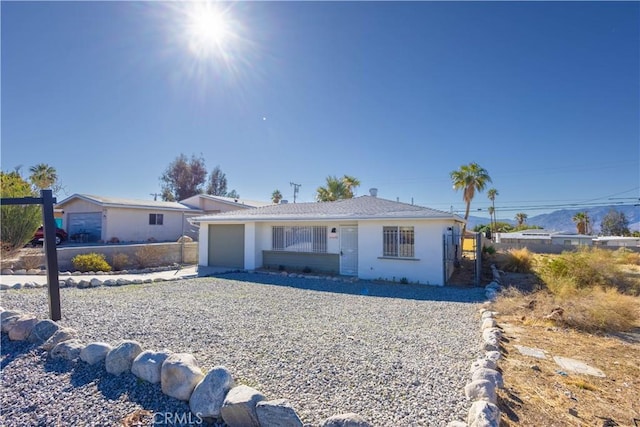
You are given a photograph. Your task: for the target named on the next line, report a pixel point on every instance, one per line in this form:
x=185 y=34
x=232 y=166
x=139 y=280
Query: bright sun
x=208 y=29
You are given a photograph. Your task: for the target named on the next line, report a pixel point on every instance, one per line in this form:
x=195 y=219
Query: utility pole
x=155 y=196
x=296 y=188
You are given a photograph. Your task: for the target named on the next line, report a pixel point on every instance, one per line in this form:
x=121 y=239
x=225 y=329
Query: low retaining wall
x=157 y=253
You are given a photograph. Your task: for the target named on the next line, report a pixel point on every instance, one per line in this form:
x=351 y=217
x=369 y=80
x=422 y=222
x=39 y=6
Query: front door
x=349 y=250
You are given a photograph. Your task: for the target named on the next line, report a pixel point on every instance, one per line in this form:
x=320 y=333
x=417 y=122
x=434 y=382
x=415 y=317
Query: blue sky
x=544 y=95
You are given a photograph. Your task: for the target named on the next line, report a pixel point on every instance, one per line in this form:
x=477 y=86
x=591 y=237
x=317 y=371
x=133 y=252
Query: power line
x=296 y=188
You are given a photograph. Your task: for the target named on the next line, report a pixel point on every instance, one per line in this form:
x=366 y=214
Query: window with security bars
x=398 y=242
x=299 y=239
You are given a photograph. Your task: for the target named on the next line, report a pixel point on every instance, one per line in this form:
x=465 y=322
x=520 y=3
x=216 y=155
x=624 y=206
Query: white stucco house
x=90 y=218
x=217 y=204
x=367 y=237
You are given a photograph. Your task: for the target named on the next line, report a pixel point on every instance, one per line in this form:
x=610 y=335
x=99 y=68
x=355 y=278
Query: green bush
x=489 y=250
x=90 y=262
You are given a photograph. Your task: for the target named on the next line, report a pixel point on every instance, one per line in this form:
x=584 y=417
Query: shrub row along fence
x=122 y=257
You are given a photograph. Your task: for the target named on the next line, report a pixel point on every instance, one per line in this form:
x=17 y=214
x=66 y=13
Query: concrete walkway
x=41 y=279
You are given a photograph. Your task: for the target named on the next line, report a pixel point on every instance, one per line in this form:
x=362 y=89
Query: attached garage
x=226 y=245
x=85 y=226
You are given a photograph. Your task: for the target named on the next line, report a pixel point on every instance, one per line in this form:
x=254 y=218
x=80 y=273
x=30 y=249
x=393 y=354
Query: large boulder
x=488 y=374
x=483 y=414
x=346 y=420
x=95 y=352
x=22 y=327
x=148 y=365
x=277 y=413
x=42 y=331
x=481 y=390
x=179 y=375
x=208 y=396
x=239 y=407
x=8 y=318
x=69 y=350
x=120 y=358
x=62 y=334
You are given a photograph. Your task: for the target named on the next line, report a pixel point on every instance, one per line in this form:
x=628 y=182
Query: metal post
x=51 y=256
x=478 y=249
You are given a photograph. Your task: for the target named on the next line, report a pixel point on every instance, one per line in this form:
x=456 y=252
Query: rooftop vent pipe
x=373 y=192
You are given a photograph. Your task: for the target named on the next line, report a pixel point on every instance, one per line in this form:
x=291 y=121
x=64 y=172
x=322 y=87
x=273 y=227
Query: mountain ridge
x=560 y=220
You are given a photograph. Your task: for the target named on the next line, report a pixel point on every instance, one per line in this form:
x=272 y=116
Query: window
x=299 y=239
x=398 y=242
x=156 y=219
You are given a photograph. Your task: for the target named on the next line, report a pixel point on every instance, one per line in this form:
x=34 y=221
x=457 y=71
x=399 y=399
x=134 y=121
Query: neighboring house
x=617 y=241
x=367 y=237
x=217 y=204
x=544 y=237
x=90 y=218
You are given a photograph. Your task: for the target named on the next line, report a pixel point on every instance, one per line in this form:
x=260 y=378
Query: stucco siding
x=132 y=225
x=426 y=267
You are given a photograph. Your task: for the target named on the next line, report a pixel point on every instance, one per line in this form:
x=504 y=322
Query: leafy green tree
x=276 y=196
x=582 y=221
x=337 y=188
x=614 y=223
x=183 y=178
x=233 y=194
x=521 y=218
x=17 y=223
x=469 y=178
x=217 y=182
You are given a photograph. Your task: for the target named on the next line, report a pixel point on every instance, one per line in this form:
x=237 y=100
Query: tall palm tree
x=492 y=212
x=582 y=221
x=276 y=196
x=491 y=194
x=469 y=178
x=521 y=217
x=337 y=188
x=43 y=176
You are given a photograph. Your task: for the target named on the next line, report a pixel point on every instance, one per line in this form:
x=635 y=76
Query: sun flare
x=208 y=29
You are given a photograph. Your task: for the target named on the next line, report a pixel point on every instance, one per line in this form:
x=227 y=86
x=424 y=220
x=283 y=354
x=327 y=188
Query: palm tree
x=521 y=217
x=337 y=188
x=492 y=212
x=276 y=196
x=582 y=221
x=491 y=194
x=469 y=178
x=43 y=176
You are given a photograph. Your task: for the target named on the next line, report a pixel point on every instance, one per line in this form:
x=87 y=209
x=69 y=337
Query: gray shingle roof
x=126 y=203
x=363 y=207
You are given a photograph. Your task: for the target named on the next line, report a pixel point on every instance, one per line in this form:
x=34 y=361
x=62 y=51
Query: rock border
x=213 y=396
x=485 y=377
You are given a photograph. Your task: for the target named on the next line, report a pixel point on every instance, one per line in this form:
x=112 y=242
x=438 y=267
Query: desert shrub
x=120 y=261
x=30 y=262
x=626 y=256
x=489 y=250
x=517 y=261
x=151 y=256
x=585 y=268
x=90 y=262
x=588 y=310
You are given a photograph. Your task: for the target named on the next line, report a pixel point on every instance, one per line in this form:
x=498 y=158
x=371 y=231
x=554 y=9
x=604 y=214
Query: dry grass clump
x=32 y=262
x=517 y=261
x=120 y=261
x=587 y=268
x=151 y=256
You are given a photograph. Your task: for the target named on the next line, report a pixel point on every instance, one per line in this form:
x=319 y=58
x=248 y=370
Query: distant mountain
x=560 y=220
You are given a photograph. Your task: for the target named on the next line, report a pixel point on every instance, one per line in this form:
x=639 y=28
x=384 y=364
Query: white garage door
x=85 y=226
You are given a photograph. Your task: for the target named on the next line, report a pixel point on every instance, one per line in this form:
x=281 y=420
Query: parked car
x=38 y=238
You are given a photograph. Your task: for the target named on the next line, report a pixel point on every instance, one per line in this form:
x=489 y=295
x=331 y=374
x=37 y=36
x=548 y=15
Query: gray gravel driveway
x=396 y=354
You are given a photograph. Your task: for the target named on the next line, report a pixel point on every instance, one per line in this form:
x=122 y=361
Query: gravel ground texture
x=396 y=354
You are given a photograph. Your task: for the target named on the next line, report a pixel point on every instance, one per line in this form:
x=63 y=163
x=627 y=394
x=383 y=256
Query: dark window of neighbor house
x=398 y=242
x=156 y=219
x=299 y=239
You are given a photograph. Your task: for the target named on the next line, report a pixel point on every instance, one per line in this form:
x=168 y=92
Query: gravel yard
x=396 y=354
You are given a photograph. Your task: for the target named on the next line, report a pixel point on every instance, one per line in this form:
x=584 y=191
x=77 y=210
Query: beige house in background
x=89 y=218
